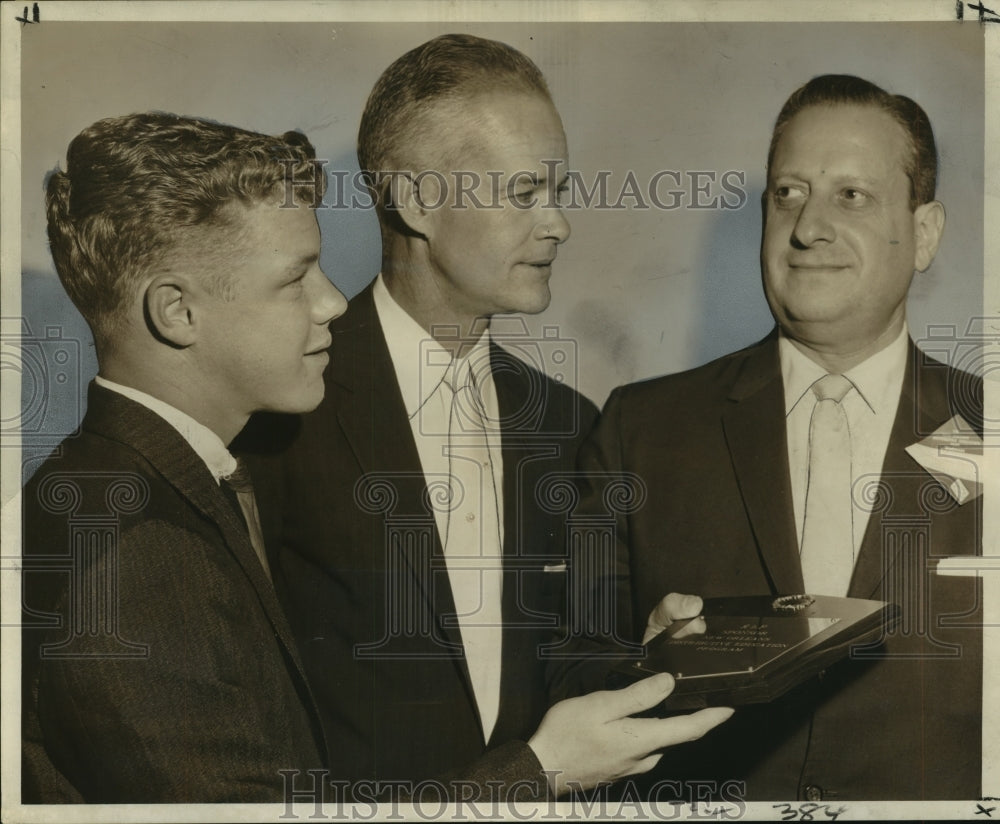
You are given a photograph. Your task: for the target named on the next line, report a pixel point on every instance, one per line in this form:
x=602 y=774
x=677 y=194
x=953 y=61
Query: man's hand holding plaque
x=672 y=608
x=752 y=649
x=609 y=734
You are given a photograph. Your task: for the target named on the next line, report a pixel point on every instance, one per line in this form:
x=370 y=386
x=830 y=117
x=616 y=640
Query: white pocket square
x=560 y=567
x=953 y=455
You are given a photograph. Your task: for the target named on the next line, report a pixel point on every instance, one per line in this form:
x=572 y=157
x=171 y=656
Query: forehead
x=260 y=227
x=500 y=130
x=841 y=138
x=279 y=227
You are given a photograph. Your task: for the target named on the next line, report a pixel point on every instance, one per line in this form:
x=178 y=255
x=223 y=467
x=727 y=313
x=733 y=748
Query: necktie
x=472 y=541
x=238 y=488
x=827 y=533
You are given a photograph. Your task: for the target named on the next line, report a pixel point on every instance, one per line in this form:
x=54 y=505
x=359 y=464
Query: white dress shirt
x=210 y=448
x=472 y=540
x=870 y=407
x=206 y=444
x=421 y=363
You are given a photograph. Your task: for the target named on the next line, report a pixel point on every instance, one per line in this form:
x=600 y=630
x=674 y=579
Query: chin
x=301 y=402
x=820 y=305
x=534 y=303
x=314 y=400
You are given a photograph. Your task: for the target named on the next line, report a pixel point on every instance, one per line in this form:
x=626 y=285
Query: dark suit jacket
x=709 y=447
x=158 y=665
x=360 y=565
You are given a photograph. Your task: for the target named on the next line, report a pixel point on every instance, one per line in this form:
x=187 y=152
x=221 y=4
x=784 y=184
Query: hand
x=584 y=741
x=672 y=608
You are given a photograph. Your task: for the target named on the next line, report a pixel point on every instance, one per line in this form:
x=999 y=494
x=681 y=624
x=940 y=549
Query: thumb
x=677 y=606
x=672 y=607
x=640 y=696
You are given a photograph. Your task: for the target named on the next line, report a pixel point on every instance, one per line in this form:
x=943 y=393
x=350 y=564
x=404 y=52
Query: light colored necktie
x=827 y=553
x=239 y=483
x=472 y=542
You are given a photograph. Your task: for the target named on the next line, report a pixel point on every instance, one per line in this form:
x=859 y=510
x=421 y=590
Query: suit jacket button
x=814 y=793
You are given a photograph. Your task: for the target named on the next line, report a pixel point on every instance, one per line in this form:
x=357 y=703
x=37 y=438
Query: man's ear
x=415 y=199
x=928 y=226
x=167 y=304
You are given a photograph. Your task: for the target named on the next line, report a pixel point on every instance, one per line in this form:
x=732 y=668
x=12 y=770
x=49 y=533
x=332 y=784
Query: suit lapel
x=121 y=419
x=522 y=411
x=512 y=395
x=369 y=404
x=118 y=417
x=373 y=419
x=754 y=426
x=923 y=407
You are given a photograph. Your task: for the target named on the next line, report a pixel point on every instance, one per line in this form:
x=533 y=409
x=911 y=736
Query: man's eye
x=854 y=198
x=525 y=198
x=787 y=197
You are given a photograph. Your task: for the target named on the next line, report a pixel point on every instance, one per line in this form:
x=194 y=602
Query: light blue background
x=636 y=292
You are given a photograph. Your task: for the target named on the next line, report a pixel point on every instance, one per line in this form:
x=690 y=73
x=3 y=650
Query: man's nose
x=552 y=225
x=814 y=223
x=328 y=302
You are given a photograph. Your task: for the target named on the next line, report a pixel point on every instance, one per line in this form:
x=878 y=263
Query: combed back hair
x=452 y=68
x=141 y=190
x=845 y=89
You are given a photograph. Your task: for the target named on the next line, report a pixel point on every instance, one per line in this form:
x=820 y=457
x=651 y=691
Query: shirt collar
x=421 y=363
x=877 y=379
x=206 y=444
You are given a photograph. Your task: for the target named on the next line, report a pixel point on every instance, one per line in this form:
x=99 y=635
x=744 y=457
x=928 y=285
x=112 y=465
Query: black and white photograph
x=475 y=411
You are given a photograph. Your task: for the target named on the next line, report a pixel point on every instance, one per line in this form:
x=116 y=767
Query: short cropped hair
x=844 y=89
x=450 y=68
x=136 y=188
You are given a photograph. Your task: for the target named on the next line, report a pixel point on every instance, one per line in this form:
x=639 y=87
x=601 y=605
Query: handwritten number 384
x=805 y=812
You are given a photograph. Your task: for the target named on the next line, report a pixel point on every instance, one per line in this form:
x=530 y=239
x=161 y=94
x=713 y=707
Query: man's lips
x=820 y=266
x=320 y=350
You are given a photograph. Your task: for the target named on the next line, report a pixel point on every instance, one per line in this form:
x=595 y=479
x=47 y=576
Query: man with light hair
x=158 y=665
x=421 y=566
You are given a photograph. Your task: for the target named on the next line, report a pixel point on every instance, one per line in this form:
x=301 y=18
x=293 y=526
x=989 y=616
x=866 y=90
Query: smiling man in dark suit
x=420 y=562
x=158 y=665
x=761 y=481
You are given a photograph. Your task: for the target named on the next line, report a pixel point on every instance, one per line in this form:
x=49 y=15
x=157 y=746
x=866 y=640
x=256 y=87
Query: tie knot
x=832 y=388
x=468 y=407
x=239 y=478
x=459 y=375
x=461 y=380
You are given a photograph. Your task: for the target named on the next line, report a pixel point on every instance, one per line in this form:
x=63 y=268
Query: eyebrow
x=301 y=263
x=529 y=178
x=838 y=179
x=536 y=180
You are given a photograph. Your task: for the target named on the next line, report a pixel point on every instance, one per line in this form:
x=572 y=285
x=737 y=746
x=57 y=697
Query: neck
x=420 y=296
x=182 y=388
x=838 y=359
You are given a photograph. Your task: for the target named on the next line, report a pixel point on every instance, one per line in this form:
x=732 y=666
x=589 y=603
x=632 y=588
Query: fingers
x=683 y=728
x=679 y=606
x=652 y=630
x=696 y=626
x=580 y=739
x=646 y=764
x=671 y=608
x=647 y=736
x=637 y=697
